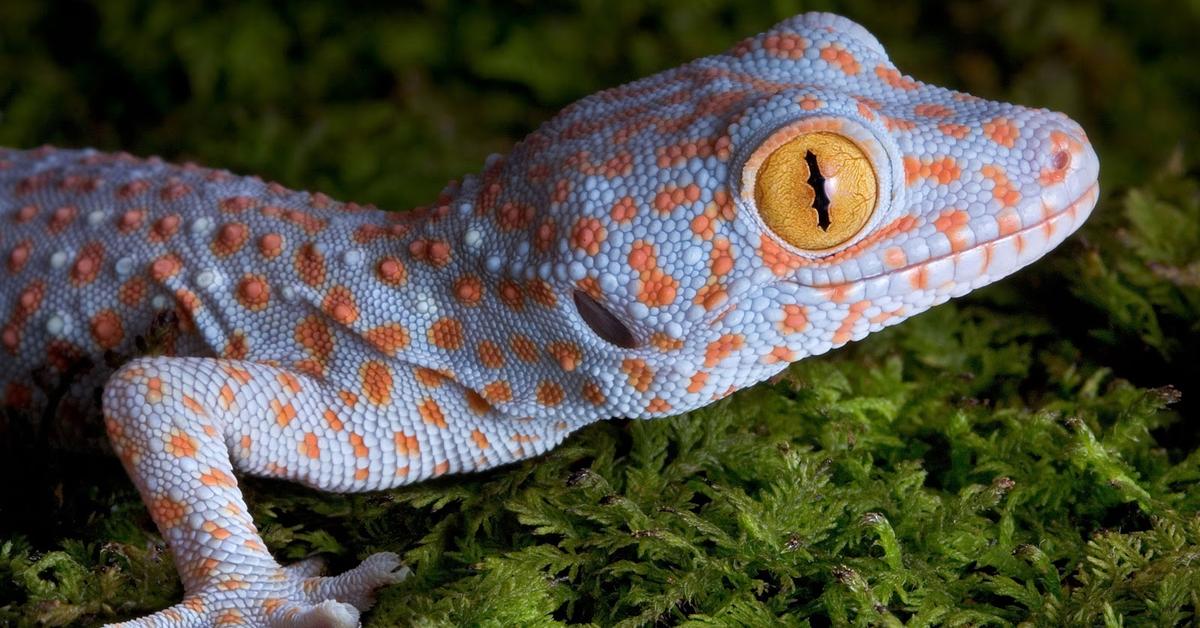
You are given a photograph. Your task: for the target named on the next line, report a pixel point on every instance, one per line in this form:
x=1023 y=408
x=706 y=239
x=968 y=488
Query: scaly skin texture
x=283 y=334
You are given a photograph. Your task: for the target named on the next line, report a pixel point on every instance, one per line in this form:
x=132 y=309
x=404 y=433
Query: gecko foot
x=298 y=598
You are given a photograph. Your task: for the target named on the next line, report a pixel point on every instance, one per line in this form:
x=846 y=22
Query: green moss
x=1028 y=454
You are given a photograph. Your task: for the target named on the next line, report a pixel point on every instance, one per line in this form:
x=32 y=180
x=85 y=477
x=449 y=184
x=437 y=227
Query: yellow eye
x=817 y=190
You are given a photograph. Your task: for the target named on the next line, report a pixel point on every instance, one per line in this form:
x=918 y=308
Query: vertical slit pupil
x=820 y=199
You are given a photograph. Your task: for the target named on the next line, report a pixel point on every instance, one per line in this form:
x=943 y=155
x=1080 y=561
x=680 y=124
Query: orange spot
x=106 y=329
x=311 y=446
x=360 y=446
x=18 y=257
x=290 y=382
x=481 y=441
x=391 y=271
x=187 y=305
x=780 y=261
x=957 y=131
x=778 y=354
x=253 y=292
x=434 y=252
x=270 y=245
x=672 y=196
x=892 y=77
x=229 y=239
x=388 y=338
x=953 y=223
x=376 y=382
x=592 y=394
x=331 y=417
x=658 y=405
x=163 y=229
x=932 y=110
x=511 y=294
x=133 y=291
x=795 y=319
x=309 y=264
x=216 y=530
x=567 y=354
x=810 y=103
x=654 y=287
x=785 y=45
x=490 y=354
x=154 y=390
x=180 y=445
x=217 y=477
x=721 y=348
x=468 y=290
x=837 y=55
x=1003 y=189
x=406 y=444
x=624 y=210
x=446 y=333
x=588 y=234
x=664 y=342
x=1001 y=131
x=638 y=374
x=165 y=267
x=885 y=316
x=942 y=171
x=512 y=216
x=541 y=293
x=428 y=377
x=236 y=204
x=340 y=305
x=497 y=392
x=61 y=217
x=524 y=348
x=166 y=512
x=284 y=412
x=919 y=278
x=441 y=468
x=550 y=394
x=239 y=375
x=87 y=264
x=711 y=296
x=314 y=335
x=696 y=384
x=193 y=406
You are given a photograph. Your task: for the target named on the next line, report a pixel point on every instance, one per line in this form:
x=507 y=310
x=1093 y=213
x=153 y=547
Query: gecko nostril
x=603 y=322
x=1061 y=159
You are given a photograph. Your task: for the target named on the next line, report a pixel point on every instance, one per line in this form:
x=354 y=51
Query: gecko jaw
x=1013 y=248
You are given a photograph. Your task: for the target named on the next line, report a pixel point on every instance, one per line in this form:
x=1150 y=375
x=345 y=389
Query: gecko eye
x=816 y=190
x=603 y=322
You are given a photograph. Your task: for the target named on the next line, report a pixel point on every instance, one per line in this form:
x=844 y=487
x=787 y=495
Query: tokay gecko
x=652 y=248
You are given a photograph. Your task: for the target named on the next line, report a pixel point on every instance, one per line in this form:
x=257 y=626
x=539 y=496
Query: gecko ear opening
x=603 y=322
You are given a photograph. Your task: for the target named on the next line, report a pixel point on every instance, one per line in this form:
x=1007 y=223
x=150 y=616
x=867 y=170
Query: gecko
x=649 y=250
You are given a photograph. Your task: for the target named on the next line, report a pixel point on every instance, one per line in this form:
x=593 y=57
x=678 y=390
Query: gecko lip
x=1078 y=210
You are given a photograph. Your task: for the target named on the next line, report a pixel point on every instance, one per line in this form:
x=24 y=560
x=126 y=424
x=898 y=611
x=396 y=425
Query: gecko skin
x=649 y=250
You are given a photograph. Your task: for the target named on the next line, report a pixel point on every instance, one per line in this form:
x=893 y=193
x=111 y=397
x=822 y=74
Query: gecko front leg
x=179 y=426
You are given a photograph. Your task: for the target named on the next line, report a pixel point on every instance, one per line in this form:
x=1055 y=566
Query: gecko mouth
x=1015 y=248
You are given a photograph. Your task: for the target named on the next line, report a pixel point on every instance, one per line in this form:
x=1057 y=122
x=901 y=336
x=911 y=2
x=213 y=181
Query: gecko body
x=649 y=250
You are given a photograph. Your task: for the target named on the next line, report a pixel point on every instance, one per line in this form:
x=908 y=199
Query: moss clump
x=1028 y=454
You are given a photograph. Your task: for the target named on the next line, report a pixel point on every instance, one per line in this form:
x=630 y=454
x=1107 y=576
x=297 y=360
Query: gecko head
x=701 y=229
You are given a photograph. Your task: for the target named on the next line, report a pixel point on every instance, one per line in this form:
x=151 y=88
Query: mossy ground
x=1030 y=453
